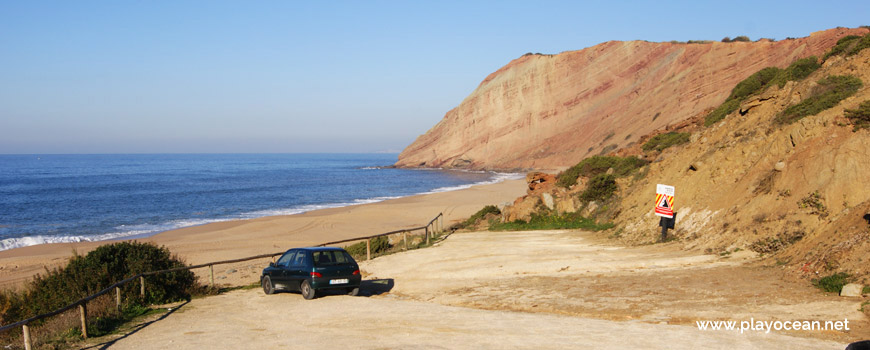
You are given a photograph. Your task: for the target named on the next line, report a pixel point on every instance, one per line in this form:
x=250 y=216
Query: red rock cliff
x=551 y=111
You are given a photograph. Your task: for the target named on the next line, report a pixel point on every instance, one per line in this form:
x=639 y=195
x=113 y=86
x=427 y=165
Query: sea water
x=71 y=198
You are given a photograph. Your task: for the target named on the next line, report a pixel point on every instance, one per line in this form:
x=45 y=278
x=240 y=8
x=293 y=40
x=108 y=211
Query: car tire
x=307 y=292
x=353 y=291
x=268 y=288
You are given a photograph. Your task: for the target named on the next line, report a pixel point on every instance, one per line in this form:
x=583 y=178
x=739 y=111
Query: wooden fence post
x=27 y=343
x=83 y=310
x=441 y=218
x=211 y=274
x=118 y=298
x=369 y=249
x=427 y=235
x=405 y=239
x=142 y=286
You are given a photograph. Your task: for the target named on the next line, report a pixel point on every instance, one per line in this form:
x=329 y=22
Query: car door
x=281 y=274
x=298 y=270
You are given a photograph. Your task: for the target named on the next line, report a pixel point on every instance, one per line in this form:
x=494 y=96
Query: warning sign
x=665 y=201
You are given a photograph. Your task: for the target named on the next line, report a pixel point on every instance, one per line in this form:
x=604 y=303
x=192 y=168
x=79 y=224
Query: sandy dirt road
x=542 y=290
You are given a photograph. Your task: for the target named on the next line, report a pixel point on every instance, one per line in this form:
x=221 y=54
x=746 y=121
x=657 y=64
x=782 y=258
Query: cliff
x=794 y=192
x=550 y=111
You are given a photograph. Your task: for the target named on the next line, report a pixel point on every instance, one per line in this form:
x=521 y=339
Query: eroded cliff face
x=551 y=111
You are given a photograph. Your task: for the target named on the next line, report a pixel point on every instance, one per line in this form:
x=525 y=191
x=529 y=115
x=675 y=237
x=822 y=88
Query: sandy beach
x=242 y=238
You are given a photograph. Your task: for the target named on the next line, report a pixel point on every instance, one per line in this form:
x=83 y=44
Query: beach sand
x=243 y=238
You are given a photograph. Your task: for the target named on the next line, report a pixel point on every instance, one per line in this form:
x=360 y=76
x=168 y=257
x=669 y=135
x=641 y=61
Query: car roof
x=320 y=249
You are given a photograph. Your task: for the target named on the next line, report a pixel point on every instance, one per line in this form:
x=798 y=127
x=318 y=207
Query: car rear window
x=331 y=257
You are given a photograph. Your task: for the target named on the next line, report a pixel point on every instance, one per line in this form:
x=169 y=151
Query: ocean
x=73 y=198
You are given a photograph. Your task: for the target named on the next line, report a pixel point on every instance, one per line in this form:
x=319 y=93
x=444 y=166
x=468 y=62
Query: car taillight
x=356 y=272
x=316 y=274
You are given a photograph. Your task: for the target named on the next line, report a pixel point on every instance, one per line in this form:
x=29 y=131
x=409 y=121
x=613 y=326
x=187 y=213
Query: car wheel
x=353 y=291
x=307 y=291
x=268 y=288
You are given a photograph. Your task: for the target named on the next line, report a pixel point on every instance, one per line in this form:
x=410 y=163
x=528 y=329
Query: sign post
x=665 y=208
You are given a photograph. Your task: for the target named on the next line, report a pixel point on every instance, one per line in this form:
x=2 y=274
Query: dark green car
x=310 y=270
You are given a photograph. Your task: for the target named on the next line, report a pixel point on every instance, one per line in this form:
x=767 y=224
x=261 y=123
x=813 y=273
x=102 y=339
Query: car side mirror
x=271 y=264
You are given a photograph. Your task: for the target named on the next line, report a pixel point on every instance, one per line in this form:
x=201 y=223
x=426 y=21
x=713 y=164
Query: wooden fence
x=436 y=225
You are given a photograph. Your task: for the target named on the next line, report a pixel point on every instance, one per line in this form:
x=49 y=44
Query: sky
x=312 y=76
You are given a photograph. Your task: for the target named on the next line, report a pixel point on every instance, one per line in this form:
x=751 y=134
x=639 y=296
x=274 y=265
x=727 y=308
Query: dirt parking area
x=543 y=290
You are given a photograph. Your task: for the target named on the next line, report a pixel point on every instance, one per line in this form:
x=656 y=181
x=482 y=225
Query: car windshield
x=331 y=257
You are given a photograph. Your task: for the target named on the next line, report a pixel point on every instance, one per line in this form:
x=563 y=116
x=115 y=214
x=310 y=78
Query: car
x=312 y=270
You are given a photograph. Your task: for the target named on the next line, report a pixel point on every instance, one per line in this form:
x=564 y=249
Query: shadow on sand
x=136 y=329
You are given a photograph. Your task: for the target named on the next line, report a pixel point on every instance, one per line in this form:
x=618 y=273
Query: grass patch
x=832 y=283
x=480 y=215
x=551 y=222
x=830 y=91
x=595 y=165
x=663 y=141
x=859 y=117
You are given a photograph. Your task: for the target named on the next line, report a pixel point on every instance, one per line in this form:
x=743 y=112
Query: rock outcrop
x=550 y=111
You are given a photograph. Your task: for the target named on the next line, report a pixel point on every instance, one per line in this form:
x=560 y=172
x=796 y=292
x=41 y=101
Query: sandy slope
x=549 y=290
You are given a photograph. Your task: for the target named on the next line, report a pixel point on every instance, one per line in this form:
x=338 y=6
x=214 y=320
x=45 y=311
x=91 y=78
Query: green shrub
x=833 y=283
x=541 y=221
x=379 y=245
x=798 y=70
x=861 y=45
x=106 y=265
x=480 y=214
x=595 y=165
x=721 y=112
x=860 y=117
x=755 y=83
x=830 y=91
x=600 y=187
x=742 y=38
x=842 y=46
x=663 y=141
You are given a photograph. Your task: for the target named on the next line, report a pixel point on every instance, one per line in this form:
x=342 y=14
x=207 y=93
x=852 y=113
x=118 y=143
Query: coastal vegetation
x=830 y=91
x=600 y=187
x=835 y=89
x=480 y=215
x=592 y=166
x=860 y=117
x=662 y=141
x=379 y=246
x=550 y=221
x=849 y=45
x=86 y=275
x=832 y=283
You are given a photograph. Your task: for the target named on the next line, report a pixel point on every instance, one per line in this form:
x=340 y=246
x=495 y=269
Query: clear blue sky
x=294 y=76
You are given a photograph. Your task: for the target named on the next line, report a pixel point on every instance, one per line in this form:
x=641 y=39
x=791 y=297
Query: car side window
x=286 y=258
x=299 y=259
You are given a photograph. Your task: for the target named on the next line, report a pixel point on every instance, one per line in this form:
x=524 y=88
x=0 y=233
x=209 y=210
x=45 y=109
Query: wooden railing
x=434 y=226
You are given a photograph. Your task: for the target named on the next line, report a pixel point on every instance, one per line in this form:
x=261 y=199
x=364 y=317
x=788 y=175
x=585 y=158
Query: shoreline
x=246 y=237
x=143 y=231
